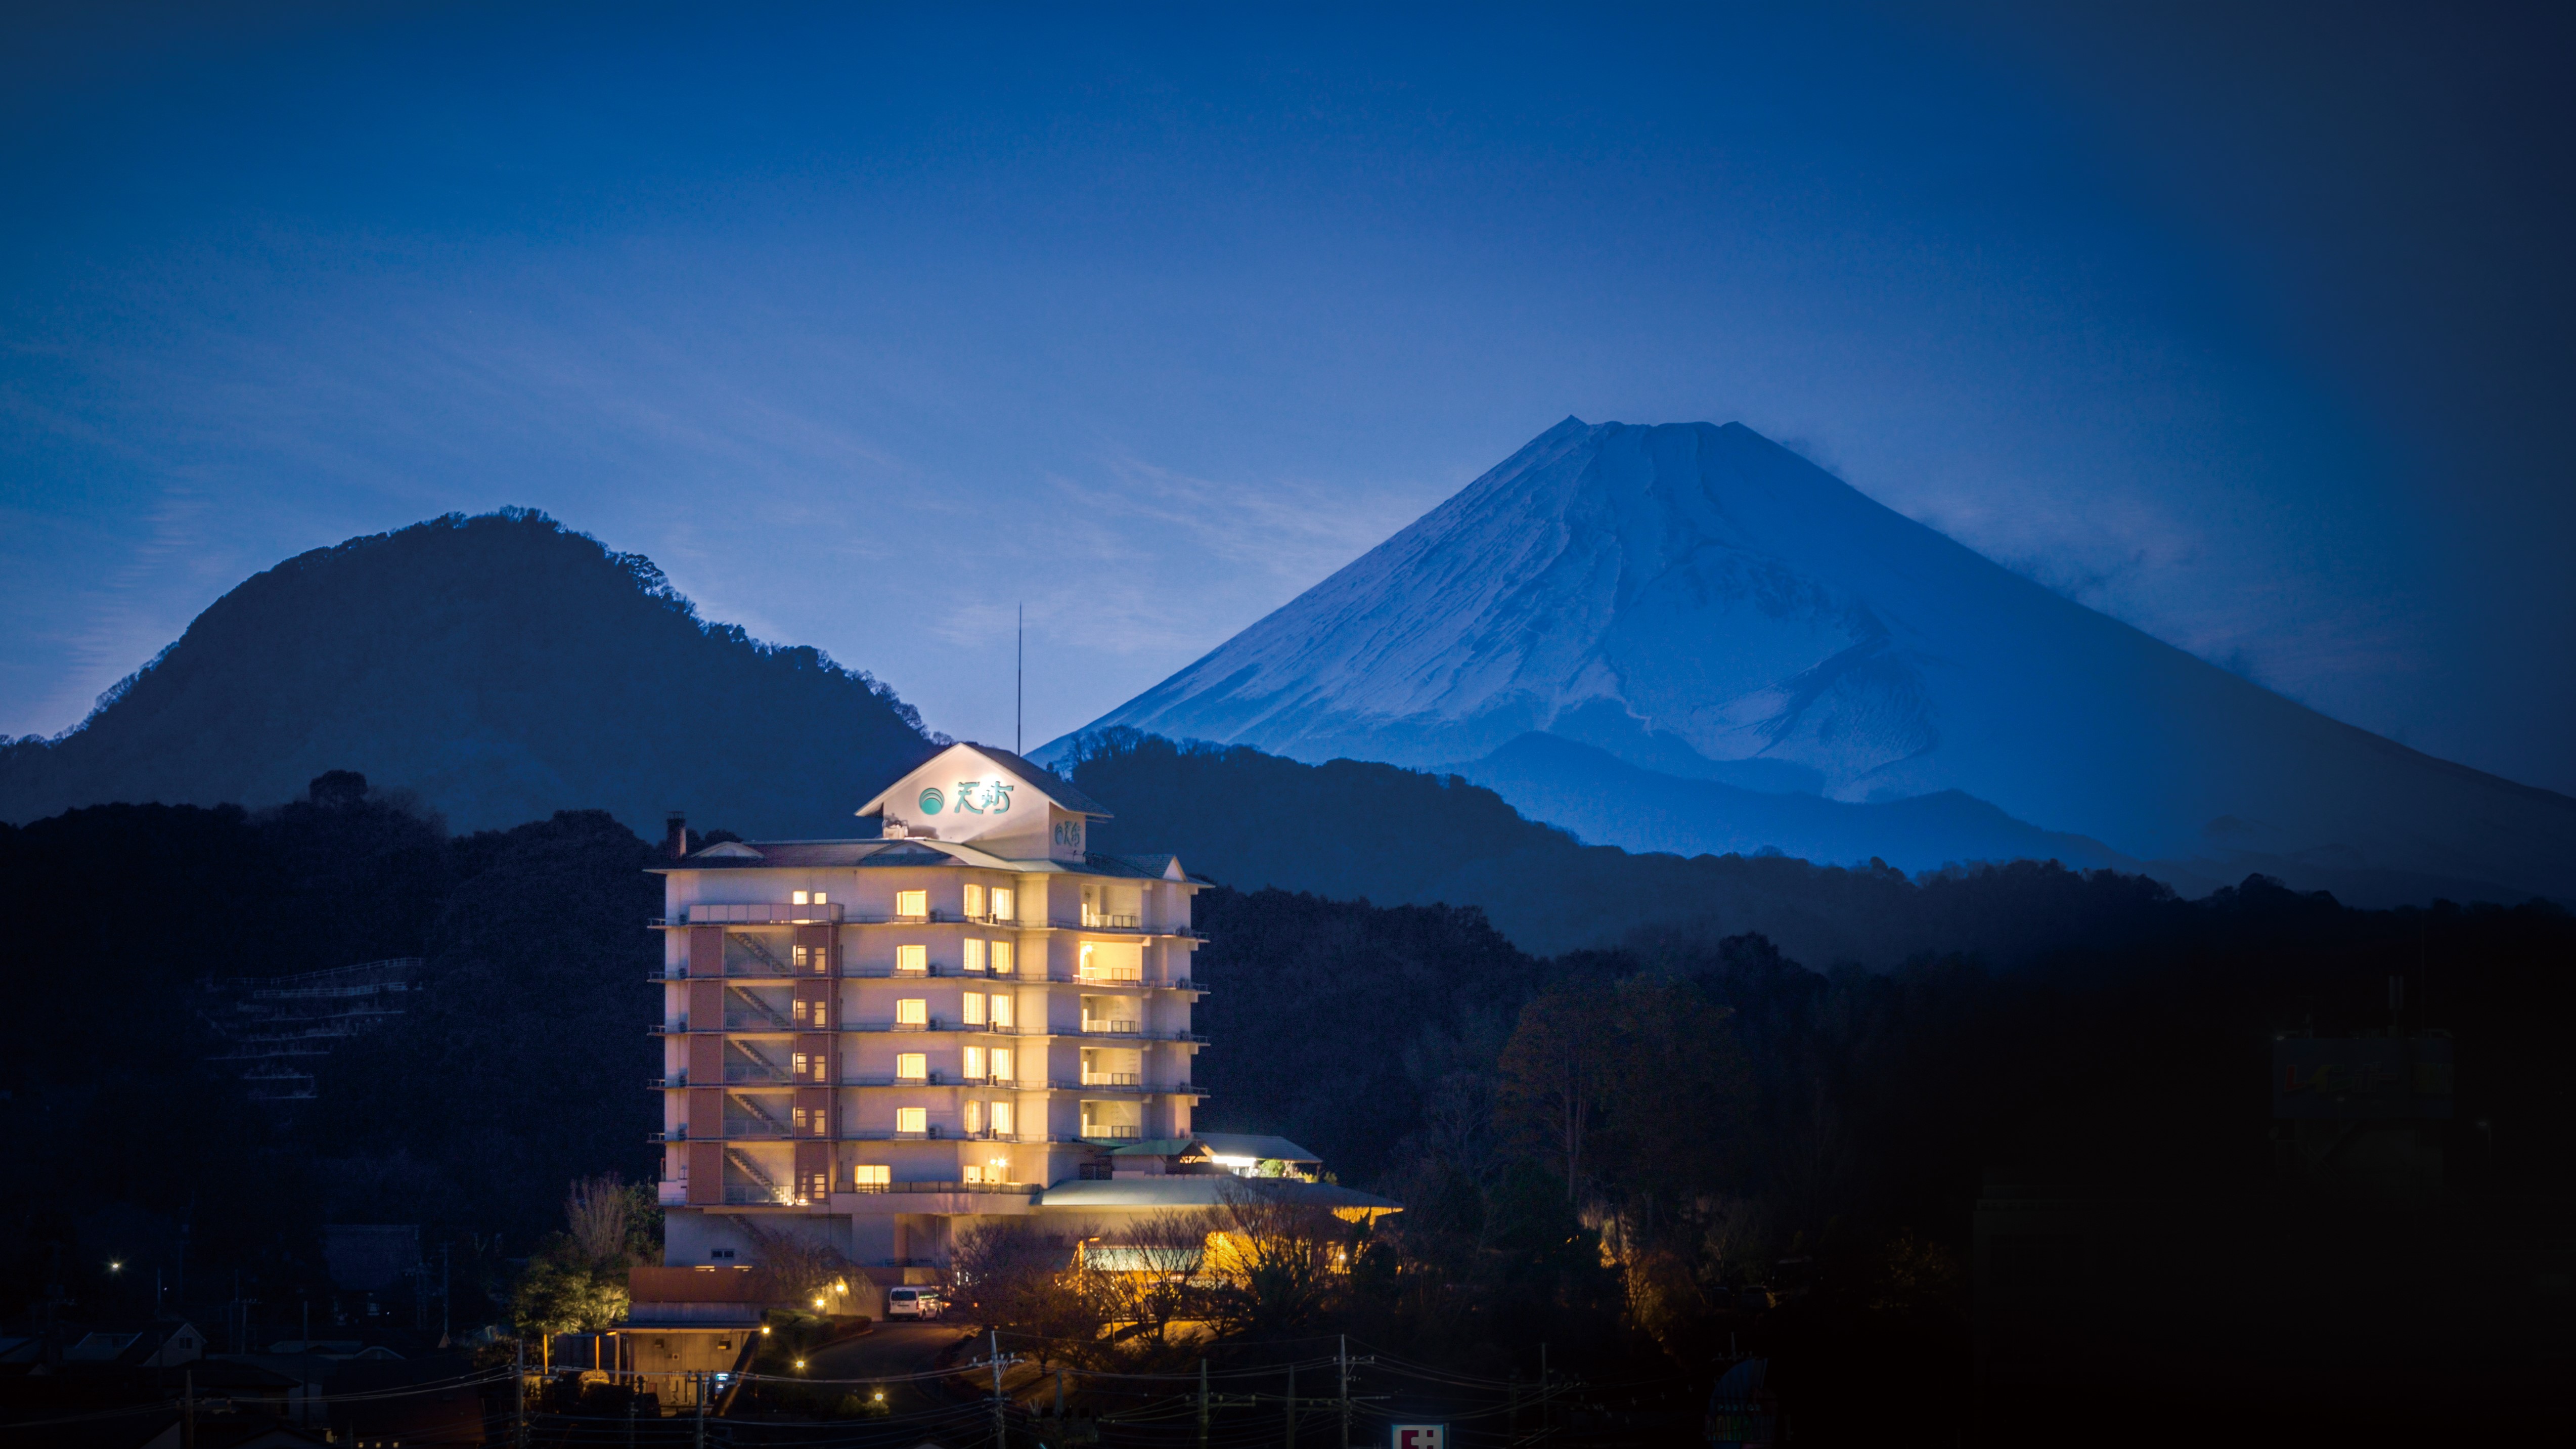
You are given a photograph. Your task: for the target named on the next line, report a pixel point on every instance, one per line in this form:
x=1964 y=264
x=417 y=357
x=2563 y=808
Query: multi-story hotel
x=868 y=1040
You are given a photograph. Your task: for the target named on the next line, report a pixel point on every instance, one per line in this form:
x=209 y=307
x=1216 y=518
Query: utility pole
x=1203 y=1407
x=706 y=1391
x=999 y=1442
x=188 y=1410
x=1346 y=1391
x=519 y=1395
x=1289 y=1437
x=1545 y=1410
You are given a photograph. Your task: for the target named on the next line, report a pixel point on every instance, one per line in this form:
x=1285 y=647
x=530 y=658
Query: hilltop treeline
x=1349 y=830
x=501 y=667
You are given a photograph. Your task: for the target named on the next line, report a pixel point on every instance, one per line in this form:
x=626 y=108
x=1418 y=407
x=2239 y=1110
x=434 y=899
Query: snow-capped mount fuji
x=1700 y=602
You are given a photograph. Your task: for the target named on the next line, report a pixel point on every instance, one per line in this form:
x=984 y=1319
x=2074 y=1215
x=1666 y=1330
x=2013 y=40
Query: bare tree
x=1277 y=1260
x=1148 y=1279
x=1011 y=1273
x=596 y=1212
x=809 y=1273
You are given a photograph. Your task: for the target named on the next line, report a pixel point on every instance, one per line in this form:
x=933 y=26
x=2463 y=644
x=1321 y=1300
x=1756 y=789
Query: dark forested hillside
x=517 y=1066
x=501 y=668
x=1392 y=836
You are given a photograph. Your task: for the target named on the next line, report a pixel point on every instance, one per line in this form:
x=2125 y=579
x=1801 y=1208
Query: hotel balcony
x=1113 y=1079
x=944 y=969
x=1018 y=1189
x=1097 y=1026
x=757 y=913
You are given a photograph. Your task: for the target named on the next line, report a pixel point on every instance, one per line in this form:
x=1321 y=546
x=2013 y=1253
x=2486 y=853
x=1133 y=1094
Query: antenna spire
x=1019 y=680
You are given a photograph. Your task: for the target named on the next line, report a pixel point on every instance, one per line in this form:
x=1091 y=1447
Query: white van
x=914 y=1303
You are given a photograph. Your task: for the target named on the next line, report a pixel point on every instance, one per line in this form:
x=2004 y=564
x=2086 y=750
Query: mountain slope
x=1600 y=797
x=1701 y=602
x=503 y=668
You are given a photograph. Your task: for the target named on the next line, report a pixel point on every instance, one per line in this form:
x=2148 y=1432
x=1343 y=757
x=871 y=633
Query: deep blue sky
x=867 y=325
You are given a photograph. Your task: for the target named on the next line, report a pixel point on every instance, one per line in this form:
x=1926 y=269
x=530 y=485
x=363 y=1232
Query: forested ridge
x=1616 y=1149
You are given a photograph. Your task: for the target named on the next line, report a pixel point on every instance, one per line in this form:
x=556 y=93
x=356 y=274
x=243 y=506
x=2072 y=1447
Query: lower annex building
x=877 y=1042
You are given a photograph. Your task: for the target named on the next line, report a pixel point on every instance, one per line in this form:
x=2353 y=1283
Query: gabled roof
x=1056 y=788
x=1255 y=1145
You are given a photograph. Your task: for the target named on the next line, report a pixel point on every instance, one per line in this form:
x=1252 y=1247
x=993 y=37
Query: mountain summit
x=1701 y=603
x=501 y=668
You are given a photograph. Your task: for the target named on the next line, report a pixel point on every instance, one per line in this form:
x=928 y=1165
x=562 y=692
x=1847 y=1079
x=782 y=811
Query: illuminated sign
x=973 y=797
x=1421 y=1436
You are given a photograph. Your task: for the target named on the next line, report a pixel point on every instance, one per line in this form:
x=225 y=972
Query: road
x=891 y=1350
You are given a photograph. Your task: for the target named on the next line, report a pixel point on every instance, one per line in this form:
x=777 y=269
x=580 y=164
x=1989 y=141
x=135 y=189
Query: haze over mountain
x=500 y=667
x=1708 y=606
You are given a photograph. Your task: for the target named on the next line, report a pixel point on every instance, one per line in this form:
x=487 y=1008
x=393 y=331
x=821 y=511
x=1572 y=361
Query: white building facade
x=875 y=1041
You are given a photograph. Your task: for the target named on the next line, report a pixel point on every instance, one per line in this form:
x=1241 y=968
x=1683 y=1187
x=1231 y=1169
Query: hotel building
x=865 y=1041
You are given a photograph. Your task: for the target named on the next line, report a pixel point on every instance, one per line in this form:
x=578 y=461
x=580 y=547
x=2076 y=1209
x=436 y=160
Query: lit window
x=973 y=1172
x=1003 y=909
x=912 y=959
x=912 y=903
x=797 y=898
x=871 y=1174
x=1001 y=1064
x=912 y=1119
x=799 y=1068
x=974 y=900
x=1003 y=1009
x=821 y=899
x=912 y=1011
x=1001 y=958
x=974 y=1122
x=912 y=1066
x=974 y=1061
x=974 y=955
x=974 y=1008
x=1002 y=1120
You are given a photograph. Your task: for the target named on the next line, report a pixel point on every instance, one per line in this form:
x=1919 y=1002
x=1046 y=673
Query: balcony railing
x=1097 y=1026
x=762 y=913
x=1112 y=1079
x=1016 y=1189
x=1111 y=921
x=752 y=1195
x=1111 y=1132
x=1122 y=975
x=761 y=1021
